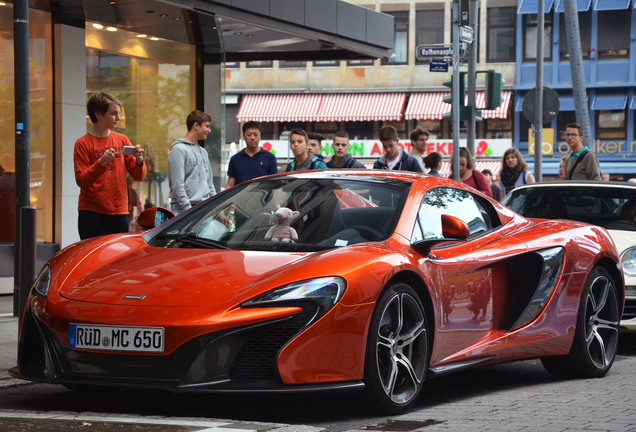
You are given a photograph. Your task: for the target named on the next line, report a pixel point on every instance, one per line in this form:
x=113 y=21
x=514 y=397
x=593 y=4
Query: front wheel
x=596 y=336
x=397 y=349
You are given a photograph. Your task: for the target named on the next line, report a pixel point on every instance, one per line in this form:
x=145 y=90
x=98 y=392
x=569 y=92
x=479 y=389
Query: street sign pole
x=455 y=106
x=471 y=132
x=538 y=115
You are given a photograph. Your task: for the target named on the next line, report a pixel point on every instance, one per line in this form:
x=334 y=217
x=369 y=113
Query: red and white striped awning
x=362 y=107
x=493 y=165
x=431 y=106
x=279 y=107
x=330 y=107
x=500 y=113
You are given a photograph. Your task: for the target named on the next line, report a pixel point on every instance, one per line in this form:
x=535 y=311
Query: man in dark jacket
x=341 y=157
x=394 y=158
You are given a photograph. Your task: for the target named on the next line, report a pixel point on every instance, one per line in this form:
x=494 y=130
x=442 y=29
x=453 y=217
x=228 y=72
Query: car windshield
x=609 y=207
x=324 y=212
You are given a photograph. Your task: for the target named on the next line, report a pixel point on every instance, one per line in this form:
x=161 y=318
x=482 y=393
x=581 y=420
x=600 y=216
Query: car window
x=455 y=202
x=609 y=207
x=322 y=213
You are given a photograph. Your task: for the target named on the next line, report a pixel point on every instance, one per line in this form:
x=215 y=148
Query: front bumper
x=241 y=359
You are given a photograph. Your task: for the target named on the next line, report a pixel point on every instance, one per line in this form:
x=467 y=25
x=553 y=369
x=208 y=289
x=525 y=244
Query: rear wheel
x=596 y=336
x=397 y=349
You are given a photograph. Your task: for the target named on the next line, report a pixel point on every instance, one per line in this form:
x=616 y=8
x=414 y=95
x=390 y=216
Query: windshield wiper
x=193 y=239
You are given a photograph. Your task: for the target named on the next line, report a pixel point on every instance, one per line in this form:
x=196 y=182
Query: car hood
x=153 y=276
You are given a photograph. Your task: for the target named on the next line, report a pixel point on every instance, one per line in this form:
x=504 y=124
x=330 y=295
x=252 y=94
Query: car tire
x=596 y=337
x=397 y=349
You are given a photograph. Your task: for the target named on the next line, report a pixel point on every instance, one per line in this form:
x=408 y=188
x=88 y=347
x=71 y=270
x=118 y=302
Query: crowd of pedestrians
x=106 y=163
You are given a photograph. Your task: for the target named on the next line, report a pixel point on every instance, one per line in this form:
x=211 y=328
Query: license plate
x=116 y=338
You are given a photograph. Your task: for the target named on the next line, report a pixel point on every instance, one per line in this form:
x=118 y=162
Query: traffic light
x=448 y=82
x=494 y=90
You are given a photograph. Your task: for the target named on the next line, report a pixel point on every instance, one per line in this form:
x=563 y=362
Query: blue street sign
x=438 y=66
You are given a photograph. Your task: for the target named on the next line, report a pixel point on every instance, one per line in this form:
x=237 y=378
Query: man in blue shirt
x=252 y=161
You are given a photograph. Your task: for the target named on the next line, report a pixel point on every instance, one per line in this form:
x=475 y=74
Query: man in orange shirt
x=100 y=170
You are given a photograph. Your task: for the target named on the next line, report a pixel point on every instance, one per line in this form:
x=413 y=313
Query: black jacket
x=406 y=163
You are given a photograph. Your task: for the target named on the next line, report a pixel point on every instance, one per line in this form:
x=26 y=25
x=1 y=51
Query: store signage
x=373 y=148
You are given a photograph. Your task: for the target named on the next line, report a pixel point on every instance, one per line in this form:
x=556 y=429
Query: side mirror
x=453 y=229
x=153 y=217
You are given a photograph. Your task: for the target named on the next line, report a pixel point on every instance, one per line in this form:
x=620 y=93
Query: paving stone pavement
x=532 y=401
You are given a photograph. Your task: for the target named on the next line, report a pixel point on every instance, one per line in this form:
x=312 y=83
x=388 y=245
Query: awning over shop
x=581 y=5
x=500 y=113
x=362 y=107
x=493 y=165
x=613 y=101
x=279 y=107
x=330 y=107
x=431 y=106
x=566 y=103
x=611 y=4
x=532 y=6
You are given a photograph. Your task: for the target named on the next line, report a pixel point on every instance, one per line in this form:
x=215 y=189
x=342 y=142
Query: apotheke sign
x=373 y=148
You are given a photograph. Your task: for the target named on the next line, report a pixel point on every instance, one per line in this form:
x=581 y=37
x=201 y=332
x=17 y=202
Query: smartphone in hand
x=129 y=150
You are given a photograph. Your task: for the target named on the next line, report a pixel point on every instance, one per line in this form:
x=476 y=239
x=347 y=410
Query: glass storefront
x=154 y=80
x=41 y=121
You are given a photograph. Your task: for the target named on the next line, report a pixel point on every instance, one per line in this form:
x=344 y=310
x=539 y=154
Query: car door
x=468 y=278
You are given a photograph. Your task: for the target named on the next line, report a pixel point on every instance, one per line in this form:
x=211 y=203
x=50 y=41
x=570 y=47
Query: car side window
x=454 y=202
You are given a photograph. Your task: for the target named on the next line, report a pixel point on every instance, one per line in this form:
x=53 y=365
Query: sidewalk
x=8 y=347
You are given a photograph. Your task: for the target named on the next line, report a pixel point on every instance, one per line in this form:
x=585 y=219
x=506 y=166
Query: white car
x=611 y=205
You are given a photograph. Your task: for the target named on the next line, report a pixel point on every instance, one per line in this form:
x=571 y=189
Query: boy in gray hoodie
x=189 y=170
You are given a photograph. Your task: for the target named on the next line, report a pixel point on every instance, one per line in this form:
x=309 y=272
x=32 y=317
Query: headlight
x=628 y=260
x=325 y=292
x=41 y=284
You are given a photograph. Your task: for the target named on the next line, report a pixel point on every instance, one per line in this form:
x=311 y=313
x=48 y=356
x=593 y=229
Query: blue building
x=608 y=41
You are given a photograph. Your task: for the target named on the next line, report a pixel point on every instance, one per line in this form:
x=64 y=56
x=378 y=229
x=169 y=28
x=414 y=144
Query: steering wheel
x=368 y=232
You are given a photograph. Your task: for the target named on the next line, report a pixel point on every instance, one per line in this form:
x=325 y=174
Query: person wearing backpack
x=298 y=143
x=514 y=171
x=341 y=158
x=582 y=163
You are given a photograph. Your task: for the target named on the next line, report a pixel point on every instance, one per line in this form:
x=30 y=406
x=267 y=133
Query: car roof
x=578 y=184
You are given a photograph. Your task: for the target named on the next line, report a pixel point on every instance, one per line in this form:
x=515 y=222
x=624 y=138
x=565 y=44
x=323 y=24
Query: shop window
x=585 y=29
x=399 y=53
x=41 y=125
x=498 y=128
x=360 y=130
x=501 y=34
x=292 y=64
x=259 y=64
x=530 y=37
x=610 y=124
x=614 y=34
x=321 y=63
x=429 y=28
x=355 y=63
x=563 y=119
x=433 y=127
x=156 y=93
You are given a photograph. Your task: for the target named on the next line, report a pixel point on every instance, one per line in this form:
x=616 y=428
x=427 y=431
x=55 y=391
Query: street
x=517 y=396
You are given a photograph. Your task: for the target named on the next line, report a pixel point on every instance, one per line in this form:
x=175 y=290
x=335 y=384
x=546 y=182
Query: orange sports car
x=371 y=280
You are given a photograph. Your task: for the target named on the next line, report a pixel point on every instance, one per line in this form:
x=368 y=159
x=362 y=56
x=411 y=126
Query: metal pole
x=538 y=97
x=471 y=132
x=28 y=216
x=576 y=67
x=455 y=89
x=22 y=129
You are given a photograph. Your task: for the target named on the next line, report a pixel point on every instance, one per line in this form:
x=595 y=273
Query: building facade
x=408 y=93
x=162 y=59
